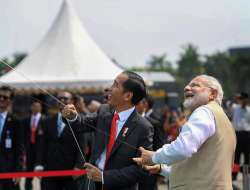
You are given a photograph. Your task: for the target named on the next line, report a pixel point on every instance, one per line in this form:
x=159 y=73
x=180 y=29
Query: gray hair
x=213 y=83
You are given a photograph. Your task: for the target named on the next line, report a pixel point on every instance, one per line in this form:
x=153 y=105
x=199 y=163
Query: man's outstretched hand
x=155 y=169
x=146 y=157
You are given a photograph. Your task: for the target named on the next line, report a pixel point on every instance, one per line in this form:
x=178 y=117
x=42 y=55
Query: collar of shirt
x=36 y=117
x=59 y=115
x=4 y=115
x=149 y=112
x=59 y=120
x=124 y=115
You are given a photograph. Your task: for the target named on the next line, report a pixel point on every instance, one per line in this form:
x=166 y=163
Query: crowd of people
x=239 y=112
x=126 y=144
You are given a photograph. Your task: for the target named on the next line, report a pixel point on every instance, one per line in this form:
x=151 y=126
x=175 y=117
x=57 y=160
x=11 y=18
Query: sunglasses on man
x=4 y=97
x=64 y=98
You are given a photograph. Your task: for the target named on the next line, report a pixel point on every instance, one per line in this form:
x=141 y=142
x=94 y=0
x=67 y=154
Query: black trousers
x=242 y=147
x=83 y=183
x=31 y=157
x=8 y=185
x=28 y=183
x=59 y=183
x=150 y=183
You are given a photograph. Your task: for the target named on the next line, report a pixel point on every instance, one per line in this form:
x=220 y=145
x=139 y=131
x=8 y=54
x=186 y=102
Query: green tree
x=3 y=66
x=189 y=66
x=13 y=62
x=160 y=63
x=219 y=65
x=240 y=68
x=231 y=70
x=18 y=57
x=157 y=63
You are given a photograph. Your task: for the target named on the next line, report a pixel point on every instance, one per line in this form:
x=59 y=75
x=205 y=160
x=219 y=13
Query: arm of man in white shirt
x=165 y=171
x=199 y=127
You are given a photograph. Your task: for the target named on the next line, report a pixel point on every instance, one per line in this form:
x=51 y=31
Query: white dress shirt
x=149 y=112
x=165 y=171
x=241 y=118
x=199 y=127
x=35 y=117
x=60 y=124
x=3 y=118
x=4 y=115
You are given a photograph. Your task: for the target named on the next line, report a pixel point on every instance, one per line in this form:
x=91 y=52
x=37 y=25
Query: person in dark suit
x=145 y=108
x=118 y=135
x=58 y=146
x=85 y=140
x=80 y=104
x=106 y=95
x=155 y=120
x=11 y=140
x=32 y=126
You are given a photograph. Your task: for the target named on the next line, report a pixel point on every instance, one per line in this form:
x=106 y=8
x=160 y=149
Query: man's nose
x=186 y=88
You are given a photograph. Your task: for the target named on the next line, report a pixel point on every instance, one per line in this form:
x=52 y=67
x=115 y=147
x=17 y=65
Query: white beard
x=197 y=100
x=188 y=102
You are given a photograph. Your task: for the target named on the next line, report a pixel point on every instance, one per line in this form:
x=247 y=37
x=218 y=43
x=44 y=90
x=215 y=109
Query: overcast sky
x=132 y=30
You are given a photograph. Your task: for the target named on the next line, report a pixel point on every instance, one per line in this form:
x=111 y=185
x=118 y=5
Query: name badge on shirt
x=8 y=143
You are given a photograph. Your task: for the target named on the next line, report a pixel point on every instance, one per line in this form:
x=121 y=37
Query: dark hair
x=244 y=95
x=77 y=98
x=9 y=89
x=136 y=85
x=150 y=102
x=36 y=101
x=64 y=91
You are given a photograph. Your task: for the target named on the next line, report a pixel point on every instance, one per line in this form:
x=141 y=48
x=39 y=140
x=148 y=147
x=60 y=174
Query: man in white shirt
x=241 y=123
x=202 y=155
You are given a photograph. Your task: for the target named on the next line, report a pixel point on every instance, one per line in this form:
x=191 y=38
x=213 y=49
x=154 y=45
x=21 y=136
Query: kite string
x=57 y=100
x=53 y=97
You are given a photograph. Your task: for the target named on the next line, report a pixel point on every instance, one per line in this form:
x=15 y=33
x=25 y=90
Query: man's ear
x=213 y=95
x=128 y=96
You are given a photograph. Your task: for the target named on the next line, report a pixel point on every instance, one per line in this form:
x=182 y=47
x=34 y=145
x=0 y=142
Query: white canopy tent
x=67 y=57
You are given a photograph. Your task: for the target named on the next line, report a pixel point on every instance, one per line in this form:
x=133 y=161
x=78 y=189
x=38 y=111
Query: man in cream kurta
x=202 y=155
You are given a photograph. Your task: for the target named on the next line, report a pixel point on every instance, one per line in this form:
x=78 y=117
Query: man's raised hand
x=69 y=112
